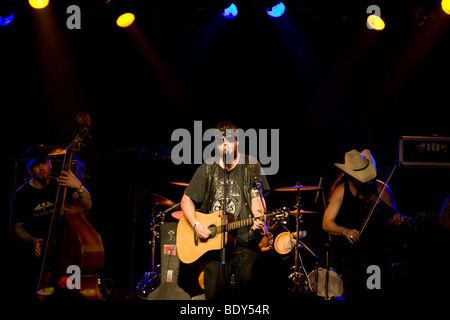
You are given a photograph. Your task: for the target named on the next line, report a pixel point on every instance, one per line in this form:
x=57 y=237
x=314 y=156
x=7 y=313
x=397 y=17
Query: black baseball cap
x=36 y=154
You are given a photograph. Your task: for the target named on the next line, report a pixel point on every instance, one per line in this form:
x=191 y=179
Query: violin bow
x=376 y=202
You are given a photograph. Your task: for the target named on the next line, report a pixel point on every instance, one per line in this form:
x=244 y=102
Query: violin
x=389 y=212
x=72 y=242
x=376 y=200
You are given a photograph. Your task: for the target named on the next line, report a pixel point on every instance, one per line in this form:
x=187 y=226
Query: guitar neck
x=239 y=224
x=281 y=214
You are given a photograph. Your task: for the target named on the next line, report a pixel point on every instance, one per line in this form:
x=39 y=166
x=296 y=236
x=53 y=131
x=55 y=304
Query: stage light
x=125 y=20
x=277 y=10
x=375 y=22
x=231 y=12
x=7 y=20
x=38 y=4
x=445 y=4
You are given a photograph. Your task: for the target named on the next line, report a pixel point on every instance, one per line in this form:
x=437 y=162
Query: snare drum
x=318 y=279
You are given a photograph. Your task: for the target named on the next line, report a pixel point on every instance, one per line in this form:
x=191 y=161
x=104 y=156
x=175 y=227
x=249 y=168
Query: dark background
x=317 y=74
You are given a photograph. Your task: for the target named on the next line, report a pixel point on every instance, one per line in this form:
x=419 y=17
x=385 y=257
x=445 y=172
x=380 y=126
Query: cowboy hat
x=360 y=166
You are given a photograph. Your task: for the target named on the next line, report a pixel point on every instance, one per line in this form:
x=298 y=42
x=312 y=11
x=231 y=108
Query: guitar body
x=189 y=250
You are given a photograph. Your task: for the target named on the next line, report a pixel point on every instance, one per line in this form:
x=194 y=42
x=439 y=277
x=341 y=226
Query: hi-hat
x=303 y=212
x=299 y=187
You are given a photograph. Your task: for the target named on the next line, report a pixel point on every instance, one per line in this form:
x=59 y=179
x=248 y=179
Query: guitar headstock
x=280 y=214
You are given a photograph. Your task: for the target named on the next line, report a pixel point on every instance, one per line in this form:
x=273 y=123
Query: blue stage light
x=277 y=10
x=231 y=12
x=7 y=20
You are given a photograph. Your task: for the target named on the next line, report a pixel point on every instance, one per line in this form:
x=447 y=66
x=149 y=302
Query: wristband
x=195 y=225
x=342 y=231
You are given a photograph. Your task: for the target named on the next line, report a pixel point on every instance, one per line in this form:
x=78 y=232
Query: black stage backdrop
x=317 y=74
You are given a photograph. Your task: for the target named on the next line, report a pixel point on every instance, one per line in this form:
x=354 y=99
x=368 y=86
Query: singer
x=236 y=181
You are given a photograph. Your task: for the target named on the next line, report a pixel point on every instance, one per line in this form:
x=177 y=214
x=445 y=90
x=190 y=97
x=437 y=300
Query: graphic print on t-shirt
x=43 y=209
x=233 y=196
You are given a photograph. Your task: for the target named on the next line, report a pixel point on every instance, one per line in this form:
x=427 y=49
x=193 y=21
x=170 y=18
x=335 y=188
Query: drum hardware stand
x=328 y=266
x=301 y=281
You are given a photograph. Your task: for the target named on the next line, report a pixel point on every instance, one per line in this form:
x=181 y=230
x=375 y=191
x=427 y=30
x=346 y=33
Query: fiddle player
x=33 y=206
x=350 y=203
x=205 y=193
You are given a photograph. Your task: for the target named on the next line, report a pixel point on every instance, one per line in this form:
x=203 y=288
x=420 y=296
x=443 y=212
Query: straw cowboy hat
x=360 y=166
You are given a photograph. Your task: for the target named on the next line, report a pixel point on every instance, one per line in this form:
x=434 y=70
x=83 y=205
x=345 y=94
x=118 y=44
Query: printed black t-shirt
x=235 y=200
x=34 y=207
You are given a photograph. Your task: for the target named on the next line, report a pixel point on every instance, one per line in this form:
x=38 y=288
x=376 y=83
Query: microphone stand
x=224 y=219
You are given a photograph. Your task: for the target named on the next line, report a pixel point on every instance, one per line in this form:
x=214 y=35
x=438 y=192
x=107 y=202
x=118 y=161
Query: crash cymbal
x=154 y=198
x=177 y=214
x=185 y=184
x=296 y=188
x=303 y=212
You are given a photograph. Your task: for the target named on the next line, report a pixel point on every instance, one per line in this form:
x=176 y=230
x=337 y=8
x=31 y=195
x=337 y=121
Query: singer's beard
x=230 y=156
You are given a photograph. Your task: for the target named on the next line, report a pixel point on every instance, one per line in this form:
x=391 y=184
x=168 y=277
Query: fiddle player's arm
x=81 y=194
x=388 y=198
x=329 y=217
x=188 y=208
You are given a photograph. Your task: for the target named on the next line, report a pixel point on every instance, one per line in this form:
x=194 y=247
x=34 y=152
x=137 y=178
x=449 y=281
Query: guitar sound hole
x=213 y=230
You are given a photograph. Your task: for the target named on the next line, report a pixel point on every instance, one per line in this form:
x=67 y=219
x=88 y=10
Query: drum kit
x=323 y=281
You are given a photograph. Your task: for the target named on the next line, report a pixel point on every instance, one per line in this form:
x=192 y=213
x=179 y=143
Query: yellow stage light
x=375 y=22
x=125 y=20
x=38 y=4
x=445 y=4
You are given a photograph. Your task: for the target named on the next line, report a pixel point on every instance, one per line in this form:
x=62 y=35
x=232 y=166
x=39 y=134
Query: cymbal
x=154 y=198
x=185 y=184
x=296 y=188
x=57 y=152
x=177 y=214
x=294 y=212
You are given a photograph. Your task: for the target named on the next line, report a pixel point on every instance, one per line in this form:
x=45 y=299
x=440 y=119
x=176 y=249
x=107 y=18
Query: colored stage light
x=277 y=10
x=445 y=4
x=231 y=12
x=125 y=20
x=7 y=20
x=375 y=22
x=38 y=4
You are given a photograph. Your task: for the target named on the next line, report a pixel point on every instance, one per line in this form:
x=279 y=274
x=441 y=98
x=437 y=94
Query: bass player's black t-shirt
x=34 y=207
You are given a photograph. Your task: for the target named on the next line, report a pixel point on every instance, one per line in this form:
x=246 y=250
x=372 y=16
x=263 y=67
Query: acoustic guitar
x=191 y=248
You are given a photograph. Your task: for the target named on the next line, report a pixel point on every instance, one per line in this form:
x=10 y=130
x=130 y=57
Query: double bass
x=72 y=240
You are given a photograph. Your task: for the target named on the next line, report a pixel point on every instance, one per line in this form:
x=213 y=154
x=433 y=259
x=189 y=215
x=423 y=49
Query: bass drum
x=317 y=279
